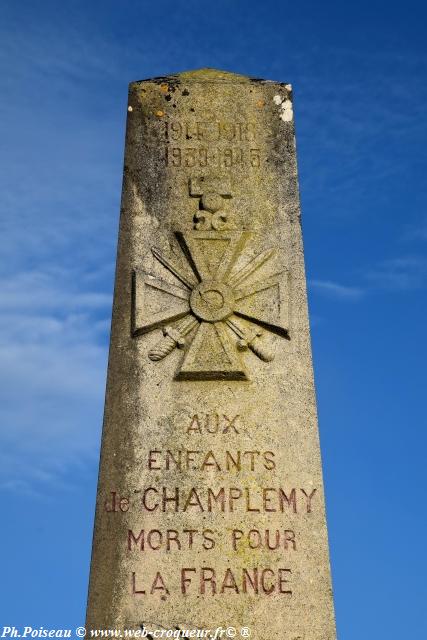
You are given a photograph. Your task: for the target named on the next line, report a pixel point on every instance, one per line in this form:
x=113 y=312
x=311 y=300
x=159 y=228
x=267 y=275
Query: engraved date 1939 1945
x=218 y=144
x=212 y=157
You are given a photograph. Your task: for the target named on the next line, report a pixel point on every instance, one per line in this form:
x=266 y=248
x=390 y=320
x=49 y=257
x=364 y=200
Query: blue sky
x=359 y=72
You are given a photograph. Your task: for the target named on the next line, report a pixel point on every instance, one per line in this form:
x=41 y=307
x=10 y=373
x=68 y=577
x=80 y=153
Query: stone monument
x=210 y=508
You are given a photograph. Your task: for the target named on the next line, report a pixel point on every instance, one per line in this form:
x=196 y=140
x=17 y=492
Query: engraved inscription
x=210 y=144
x=260 y=577
x=225 y=499
x=209 y=131
x=212 y=157
x=213 y=423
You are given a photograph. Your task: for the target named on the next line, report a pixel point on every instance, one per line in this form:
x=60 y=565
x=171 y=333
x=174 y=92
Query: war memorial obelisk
x=210 y=506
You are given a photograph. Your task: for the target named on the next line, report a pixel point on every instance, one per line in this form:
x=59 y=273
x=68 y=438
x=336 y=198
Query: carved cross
x=216 y=302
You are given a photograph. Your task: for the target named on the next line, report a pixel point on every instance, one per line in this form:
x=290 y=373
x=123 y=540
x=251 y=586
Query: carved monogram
x=220 y=310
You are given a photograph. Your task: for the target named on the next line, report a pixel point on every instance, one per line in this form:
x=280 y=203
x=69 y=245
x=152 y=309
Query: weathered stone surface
x=210 y=506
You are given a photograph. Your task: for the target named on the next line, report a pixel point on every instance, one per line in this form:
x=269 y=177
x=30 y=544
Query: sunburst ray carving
x=218 y=312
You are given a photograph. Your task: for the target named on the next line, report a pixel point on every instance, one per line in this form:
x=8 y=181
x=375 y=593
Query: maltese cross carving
x=215 y=310
x=217 y=313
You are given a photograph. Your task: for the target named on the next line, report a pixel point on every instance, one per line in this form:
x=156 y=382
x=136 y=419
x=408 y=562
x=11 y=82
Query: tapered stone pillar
x=210 y=508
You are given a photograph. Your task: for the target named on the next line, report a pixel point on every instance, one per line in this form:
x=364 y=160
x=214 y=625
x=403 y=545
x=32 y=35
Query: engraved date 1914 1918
x=210 y=131
x=212 y=157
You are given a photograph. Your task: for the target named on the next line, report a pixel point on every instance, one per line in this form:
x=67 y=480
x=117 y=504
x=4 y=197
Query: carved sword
x=174 y=336
x=250 y=339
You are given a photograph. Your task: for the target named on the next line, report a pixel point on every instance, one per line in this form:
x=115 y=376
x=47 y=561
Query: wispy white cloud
x=59 y=197
x=352 y=122
x=399 y=274
x=337 y=290
x=394 y=275
x=49 y=291
x=416 y=231
x=63 y=124
x=53 y=362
